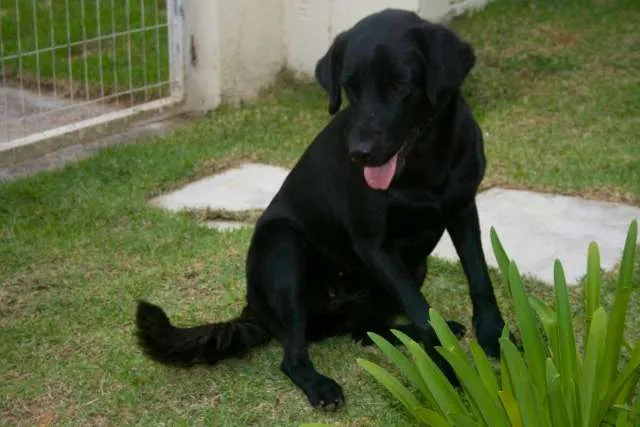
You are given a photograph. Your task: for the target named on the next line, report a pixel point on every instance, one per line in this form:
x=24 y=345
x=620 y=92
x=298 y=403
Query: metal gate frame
x=175 y=26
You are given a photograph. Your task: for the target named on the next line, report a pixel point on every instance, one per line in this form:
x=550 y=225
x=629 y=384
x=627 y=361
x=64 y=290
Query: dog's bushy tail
x=167 y=344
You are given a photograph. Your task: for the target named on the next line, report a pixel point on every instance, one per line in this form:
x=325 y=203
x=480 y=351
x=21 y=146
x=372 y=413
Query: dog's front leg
x=395 y=278
x=393 y=275
x=487 y=320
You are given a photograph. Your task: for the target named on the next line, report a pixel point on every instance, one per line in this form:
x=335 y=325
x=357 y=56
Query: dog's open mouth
x=380 y=177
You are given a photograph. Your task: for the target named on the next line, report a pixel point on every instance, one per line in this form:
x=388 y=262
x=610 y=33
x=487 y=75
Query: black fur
x=335 y=253
x=209 y=344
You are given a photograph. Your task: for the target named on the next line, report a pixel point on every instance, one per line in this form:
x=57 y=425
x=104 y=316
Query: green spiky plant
x=548 y=384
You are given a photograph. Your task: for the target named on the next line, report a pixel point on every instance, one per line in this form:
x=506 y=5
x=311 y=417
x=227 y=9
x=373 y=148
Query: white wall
x=307 y=33
x=311 y=25
x=233 y=48
x=252 y=46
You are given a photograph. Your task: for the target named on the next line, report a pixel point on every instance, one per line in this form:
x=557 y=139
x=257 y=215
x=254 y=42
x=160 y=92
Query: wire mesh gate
x=70 y=64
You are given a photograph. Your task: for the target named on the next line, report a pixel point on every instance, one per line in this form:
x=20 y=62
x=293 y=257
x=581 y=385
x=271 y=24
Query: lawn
x=556 y=90
x=84 y=47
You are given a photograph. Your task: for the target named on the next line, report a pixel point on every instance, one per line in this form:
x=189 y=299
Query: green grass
x=79 y=245
x=557 y=88
x=90 y=69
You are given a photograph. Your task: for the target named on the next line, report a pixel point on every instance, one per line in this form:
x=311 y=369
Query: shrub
x=549 y=383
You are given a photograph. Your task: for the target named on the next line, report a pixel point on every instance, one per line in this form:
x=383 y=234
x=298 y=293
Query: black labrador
x=342 y=248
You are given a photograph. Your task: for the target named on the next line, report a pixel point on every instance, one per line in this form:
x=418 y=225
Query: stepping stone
x=250 y=186
x=537 y=228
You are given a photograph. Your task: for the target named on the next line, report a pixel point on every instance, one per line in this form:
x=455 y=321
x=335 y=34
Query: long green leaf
x=628 y=389
x=488 y=404
x=571 y=396
x=451 y=343
x=392 y=384
x=626 y=394
x=533 y=413
x=615 y=332
x=628 y=256
x=446 y=337
x=510 y=405
x=593 y=284
x=627 y=377
x=483 y=365
x=616 y=416
x=549 y=321
x=404 y=365
x=623 y=419
x=432 y=418
x=567 y=352
x=636 y=411
x=615 y=337
x=501 y=255
x=446 y=397
x=556 y=400
x=463 y=420
x=591 y=377
x=534 y=347
x=505 y=378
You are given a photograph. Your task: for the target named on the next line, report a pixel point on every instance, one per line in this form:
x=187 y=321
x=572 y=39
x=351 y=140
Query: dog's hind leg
x=277 y=270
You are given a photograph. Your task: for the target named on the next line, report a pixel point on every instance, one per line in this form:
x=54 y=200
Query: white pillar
x=201 y=55
x=232 y=49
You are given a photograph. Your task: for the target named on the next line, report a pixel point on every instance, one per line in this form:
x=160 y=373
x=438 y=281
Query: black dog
x=342 y=247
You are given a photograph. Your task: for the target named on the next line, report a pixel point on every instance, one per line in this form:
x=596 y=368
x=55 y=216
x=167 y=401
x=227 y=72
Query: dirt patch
x=559 y=37
x=41 y=411
x=248 y=216
x=18 y=294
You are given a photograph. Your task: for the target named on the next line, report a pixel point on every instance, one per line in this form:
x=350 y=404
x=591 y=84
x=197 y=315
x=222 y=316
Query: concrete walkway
x=535 y=228
x=24 y=112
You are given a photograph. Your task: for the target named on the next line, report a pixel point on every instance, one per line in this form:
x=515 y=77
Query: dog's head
x=396 y=70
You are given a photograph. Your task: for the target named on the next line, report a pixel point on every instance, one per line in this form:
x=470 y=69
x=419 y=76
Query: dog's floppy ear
x=329 y=71
x=448 y=59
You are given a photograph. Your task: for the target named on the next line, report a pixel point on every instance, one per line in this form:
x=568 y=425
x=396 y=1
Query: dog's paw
x=458 y=329
x=431 y=341
x=488 y=331
x=324 y=393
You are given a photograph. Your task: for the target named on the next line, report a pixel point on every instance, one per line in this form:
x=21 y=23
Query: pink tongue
x=379 y=178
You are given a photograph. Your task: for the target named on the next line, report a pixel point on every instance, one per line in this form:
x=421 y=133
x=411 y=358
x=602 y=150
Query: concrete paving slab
x=24 y=112
x=250 y=186
x=536 y=229
x=130 y=133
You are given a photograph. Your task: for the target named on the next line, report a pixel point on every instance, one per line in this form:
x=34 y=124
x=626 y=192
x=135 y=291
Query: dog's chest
x=413 y=222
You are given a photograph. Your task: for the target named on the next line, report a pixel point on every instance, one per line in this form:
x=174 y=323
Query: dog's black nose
x=360 y=152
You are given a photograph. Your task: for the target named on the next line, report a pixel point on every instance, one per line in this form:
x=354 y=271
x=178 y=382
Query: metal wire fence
x=65 y=61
